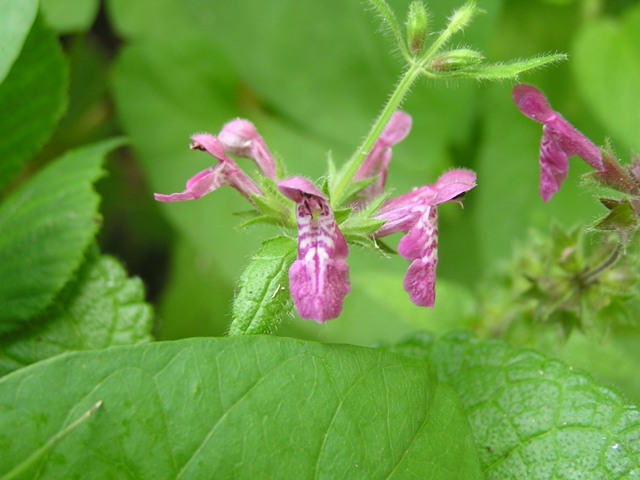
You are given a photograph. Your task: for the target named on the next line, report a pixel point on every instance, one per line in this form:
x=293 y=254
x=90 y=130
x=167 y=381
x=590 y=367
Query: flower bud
x=417 y=26
x=456 y=59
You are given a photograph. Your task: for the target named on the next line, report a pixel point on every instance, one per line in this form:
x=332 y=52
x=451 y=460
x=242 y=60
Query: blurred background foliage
x=312 y=75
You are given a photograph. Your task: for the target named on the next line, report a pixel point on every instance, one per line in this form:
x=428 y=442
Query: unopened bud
x=456 y=59
x=417 y=26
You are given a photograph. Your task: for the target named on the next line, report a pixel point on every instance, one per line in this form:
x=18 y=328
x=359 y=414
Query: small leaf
x=503 y=70
x=46 y=228
x=263 y=298
x=389 y=23
x=100 y=308
x=620 y=218
x=32 y=99
x=362 y=226
x=243 y=407
x=534 y=417
x=16 y=19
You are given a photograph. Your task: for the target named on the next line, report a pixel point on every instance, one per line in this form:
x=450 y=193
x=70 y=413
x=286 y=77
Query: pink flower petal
x=532 y=103
x=319 y=278
x=377 y=162
x=226 y=172
x=241 y=138
x=554 y=165
x=560 y=140
x=420 y=247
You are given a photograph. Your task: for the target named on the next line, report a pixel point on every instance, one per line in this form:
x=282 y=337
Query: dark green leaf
x=98 y=309
x=46 y=228
x=263 y=297
x=534 y=417
x=32 y=99
x=244 y=407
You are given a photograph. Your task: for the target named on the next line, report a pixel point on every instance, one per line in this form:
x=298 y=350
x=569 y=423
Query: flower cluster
x=319 y=277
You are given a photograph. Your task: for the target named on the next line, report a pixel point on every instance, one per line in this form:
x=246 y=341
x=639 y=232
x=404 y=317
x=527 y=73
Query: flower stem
x=340 y=189
x=588 y=276
x=417 y=66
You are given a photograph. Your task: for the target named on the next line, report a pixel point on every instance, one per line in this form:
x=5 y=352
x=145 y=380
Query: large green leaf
x=607 y=72
x=16 y=18
x=243 y=407
x=534 y=417
x=99 y=309
x=32 y=99
x=46 y=228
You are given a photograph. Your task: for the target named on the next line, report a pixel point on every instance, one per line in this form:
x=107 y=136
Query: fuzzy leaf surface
x=102 y=307
x=263 y=297
x=534 y=417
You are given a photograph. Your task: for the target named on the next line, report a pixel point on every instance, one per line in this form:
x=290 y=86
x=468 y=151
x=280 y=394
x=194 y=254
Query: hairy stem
x=340 y=190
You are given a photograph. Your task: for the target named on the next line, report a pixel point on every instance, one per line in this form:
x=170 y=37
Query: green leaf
x=68 y=16
x=263 y=297
x=16 y=18
x=100 y=308
x=390 y=24
x=504 y=70
x=534 y=417
x=35 y=94
x=621 y=216
x=46 y=227
x=243 y=407
x=606 y=65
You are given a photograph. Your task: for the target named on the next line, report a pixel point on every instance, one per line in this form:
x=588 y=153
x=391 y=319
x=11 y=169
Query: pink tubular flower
x=377 y=162
x=227 y=172
x=560 y=140
x=415 y=214
x=241 y=138
x=319 y=278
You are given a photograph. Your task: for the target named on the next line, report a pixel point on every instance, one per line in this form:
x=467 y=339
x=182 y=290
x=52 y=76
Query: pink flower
x=415 y=214
x=377 y=162
x=241 y=138
x=560 y=140
x=227 y=172
x=238 y=137
x=319 y=278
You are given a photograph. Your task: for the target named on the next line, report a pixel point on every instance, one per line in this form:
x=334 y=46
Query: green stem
x=340 y=189
x=590 y=275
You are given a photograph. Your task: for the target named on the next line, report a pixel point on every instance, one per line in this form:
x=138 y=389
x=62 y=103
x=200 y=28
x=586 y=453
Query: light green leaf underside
x=99 y=309
x=16 y=18
x=242 y=407
x=534 y=417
